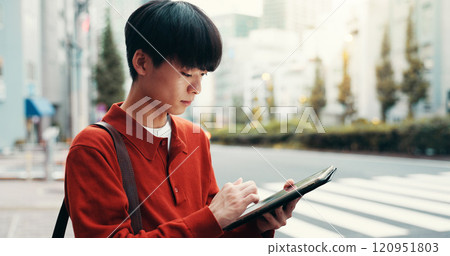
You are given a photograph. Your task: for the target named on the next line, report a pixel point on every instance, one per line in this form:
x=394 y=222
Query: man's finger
x=269 y=217
x=289 y=185
x=246 y=184
x=291 y=205
x=279 y=213
x=274 y=220
x=238 y=181
x=251 y=198
x=250 y=189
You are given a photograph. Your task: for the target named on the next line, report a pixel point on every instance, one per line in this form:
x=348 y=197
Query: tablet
x=283 y=197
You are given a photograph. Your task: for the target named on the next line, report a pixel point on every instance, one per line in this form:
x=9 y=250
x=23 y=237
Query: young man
x=170 y=47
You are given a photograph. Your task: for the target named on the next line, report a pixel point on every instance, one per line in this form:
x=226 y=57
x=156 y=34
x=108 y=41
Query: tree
x=414 y=84
x=318 y=98
x=345 y=96
x=109 y=70
x=241 y=117
x=255 y=107
x=386 y=86
x=270 y=95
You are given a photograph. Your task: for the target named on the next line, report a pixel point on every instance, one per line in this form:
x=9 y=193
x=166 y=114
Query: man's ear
x=142 y=63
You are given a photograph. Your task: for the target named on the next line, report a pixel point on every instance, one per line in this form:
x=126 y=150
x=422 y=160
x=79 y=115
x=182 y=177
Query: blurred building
x=230 y=76
x=48 y=51
x=259 y=62
x=12 y=73
x=236 y=25
x=358 y=28
x=362 y=36
x=46 y=73
x=23 y=105
x=432 y=25
x=294 y=15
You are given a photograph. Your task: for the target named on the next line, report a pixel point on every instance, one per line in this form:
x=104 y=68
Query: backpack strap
x=61 y=222
x=128 y=182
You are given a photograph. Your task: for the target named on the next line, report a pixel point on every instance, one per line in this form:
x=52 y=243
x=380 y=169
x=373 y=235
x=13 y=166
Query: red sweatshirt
x=175 y=191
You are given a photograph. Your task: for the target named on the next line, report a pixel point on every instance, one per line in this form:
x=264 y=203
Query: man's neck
x=143 y=118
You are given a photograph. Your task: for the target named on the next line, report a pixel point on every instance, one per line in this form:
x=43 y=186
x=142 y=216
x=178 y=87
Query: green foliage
x=414 y=84
x=386 y=86
x=318 y=97
x=345 y=96
x=109 y=70
x=238 y=102
x=429 y=136
x=255 y=107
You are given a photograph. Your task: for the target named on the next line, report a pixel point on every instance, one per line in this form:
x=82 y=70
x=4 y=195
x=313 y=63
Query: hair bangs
x=198 y=41
x=174 y=31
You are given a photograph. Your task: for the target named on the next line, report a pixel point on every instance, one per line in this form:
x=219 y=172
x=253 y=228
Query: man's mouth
x=186 y=102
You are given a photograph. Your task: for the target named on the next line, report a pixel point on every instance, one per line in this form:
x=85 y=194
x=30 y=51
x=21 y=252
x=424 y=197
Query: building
x=236 y=25
x=20 y=75
x=431 y=29
x=362 y=36
x=358 y=27
x=261 y=57
x=45 y=71
x=294 y=15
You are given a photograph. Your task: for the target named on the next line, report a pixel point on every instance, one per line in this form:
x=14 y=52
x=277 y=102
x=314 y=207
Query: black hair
x=177 y=30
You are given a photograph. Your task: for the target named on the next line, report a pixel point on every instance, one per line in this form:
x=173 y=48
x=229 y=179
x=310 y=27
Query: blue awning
x=38 y=107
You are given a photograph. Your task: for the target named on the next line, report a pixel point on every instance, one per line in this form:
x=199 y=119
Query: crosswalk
x=384 y=206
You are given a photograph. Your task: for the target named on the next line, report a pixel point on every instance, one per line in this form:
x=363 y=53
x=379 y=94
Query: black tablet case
x=283 y=197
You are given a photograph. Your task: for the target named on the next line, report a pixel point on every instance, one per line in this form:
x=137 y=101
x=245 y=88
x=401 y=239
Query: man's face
x=173 y=85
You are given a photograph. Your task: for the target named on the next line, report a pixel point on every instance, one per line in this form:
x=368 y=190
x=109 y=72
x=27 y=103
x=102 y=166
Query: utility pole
x=74 y=56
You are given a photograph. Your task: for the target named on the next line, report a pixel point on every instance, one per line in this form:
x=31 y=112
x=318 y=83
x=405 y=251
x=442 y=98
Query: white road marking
x=13 y=226
x=410 y=217
x=389 y=198
x=363 y=225
x=413 y=183
x=302 y=229
x=433 y=179
x=389 y=187
x=413 y=191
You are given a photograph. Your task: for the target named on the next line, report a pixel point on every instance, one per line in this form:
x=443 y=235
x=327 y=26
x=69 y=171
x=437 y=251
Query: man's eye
x=204 y=74
x=185 y=74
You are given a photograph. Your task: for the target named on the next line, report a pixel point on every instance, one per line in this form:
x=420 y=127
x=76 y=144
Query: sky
x=217 y=7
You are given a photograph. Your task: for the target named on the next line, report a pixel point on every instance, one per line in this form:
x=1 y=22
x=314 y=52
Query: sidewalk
x=29 y=204
x=30 y=208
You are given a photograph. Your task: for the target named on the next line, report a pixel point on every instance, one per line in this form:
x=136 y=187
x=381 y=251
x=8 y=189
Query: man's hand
x=232 y=201
x=278 y=217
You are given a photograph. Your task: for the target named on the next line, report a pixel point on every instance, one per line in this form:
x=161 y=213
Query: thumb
x=290 y=185
x=238 y=181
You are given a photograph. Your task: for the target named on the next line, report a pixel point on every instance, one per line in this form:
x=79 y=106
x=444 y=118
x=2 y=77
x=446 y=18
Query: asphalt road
x=370 y=196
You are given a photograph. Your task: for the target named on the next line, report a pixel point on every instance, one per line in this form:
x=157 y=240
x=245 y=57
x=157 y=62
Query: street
x=370 y=196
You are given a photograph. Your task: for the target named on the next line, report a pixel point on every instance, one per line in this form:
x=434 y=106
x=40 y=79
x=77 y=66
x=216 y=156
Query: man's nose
x=195 y=86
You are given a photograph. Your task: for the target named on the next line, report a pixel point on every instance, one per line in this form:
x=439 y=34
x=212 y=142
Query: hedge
x=431 y=137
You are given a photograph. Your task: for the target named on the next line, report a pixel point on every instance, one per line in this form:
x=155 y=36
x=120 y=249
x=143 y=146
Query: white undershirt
x=163 y=132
